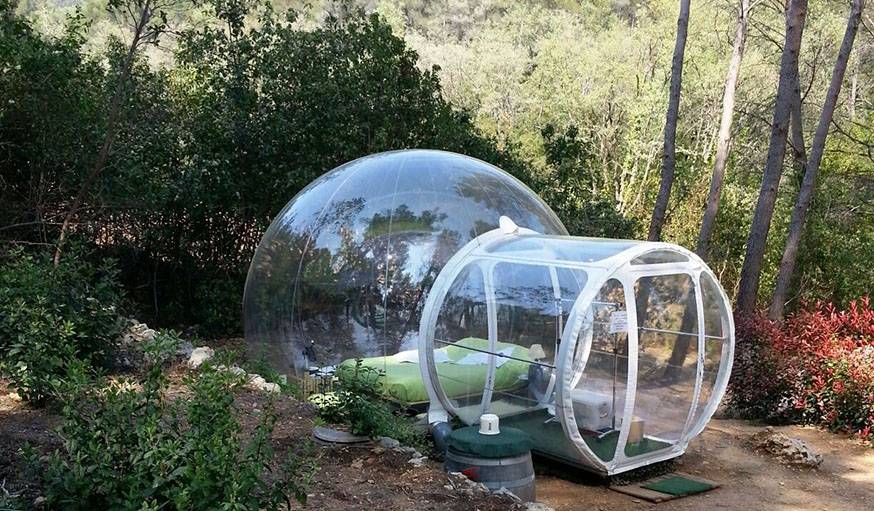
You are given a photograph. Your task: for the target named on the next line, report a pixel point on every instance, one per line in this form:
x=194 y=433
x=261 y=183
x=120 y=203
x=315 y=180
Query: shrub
x=51 y=316
x=125 y=446
x=357 y=403
x=816 y=368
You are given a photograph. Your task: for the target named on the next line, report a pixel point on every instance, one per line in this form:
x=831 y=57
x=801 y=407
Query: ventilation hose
x=440 y=431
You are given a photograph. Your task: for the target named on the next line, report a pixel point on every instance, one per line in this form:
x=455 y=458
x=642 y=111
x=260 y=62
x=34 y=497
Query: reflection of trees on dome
x=370 y=281
x=344 y=269
x=494 y=194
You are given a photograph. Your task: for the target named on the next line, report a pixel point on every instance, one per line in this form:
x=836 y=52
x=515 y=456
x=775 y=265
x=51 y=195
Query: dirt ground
x=750 y=481
x=368 y=477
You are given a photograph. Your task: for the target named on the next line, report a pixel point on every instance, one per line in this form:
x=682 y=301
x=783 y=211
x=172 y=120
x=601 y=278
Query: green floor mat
x=549 y=438
x=678 y=486
x=645 y=446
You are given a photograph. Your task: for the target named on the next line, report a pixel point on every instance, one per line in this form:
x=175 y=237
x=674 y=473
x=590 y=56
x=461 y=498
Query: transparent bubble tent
x=344 y=269
x=611 y=354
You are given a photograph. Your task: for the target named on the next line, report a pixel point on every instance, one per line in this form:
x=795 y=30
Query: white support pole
x=631 y=374
x=699 y=370
x=488 y=271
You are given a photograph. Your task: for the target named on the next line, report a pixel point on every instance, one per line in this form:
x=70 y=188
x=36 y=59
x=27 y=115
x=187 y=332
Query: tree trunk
x=808 y=184
x=669 y=158
x=854 y=91
x=799 y=151
x=723 y=143
x=786 y=91
x=118 y=95
x=680 y=350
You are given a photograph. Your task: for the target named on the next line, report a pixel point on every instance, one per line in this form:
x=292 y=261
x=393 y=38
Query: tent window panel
x=667 y=361
x=712 y=359
x=461 y=330
x=528 y=321
x=598 y=395
x=660 y=257
x=715 y=321
x=715 y=312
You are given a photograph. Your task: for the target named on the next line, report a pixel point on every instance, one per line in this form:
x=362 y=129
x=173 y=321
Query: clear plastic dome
x=611 y=354
x=343 y=271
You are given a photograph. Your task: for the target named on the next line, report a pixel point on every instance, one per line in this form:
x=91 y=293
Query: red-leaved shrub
x=816 y=367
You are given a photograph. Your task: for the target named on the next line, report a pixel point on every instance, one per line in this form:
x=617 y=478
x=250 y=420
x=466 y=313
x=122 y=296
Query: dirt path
x=750 y=481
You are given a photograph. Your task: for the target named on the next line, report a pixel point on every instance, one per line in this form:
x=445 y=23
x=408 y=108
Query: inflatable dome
x=344 y=270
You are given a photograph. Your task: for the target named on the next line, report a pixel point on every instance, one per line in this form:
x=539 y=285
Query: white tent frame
x=617 y=266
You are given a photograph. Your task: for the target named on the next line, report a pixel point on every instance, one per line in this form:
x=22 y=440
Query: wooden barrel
x=515 y=473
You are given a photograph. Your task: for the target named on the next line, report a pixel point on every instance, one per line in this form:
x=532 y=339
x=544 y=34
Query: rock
x=537 y=506
x=464 y=485
x=406 y=450
x=336 y=436
x=138 y=332
x=507 y=493
x=235 y=370
x=260 y=384
x=238 y=371
x=791 y=451
x=185 y=349
x=389 y=443
x=417 y=461
x=14 y=396
x=39 y=502
x=200 y=355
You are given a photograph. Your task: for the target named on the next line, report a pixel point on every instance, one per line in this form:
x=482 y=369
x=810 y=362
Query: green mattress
x=462 y=371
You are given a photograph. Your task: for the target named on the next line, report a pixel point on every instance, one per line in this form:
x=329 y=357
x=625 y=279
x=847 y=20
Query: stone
x=788 y=450
x=389 y=443
x=336 y=436
x=185 y=349
x=235 y=370
x=258 y=383
x=537 y=506
x=418 y=461
x=507 y=493
x=406 y=450
x=465 y=485
x=139 y=332
x=200 y=355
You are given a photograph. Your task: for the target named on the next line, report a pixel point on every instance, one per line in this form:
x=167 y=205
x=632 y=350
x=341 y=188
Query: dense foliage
x=126 y=446
x=816 y=368
x=53 y=319
x=208 y=150
x=251 y=103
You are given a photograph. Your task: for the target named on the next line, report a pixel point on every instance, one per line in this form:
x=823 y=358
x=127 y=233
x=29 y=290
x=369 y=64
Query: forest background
x=216 y=113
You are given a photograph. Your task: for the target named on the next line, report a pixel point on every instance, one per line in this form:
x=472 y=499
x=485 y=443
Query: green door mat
x=678 y=486
x=667 y=487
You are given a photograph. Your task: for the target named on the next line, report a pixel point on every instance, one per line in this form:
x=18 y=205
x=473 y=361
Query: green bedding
x=402 y=381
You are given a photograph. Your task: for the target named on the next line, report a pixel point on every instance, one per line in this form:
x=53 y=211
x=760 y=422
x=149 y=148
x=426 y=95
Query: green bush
x=52 y=316
x=125 y=446
x=357 y=403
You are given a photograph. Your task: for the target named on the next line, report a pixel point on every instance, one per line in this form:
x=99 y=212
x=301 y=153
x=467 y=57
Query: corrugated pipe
x=440 y=431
